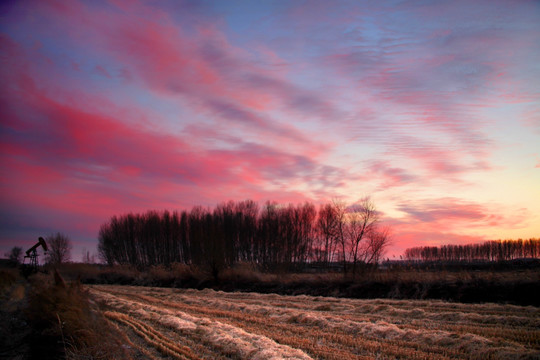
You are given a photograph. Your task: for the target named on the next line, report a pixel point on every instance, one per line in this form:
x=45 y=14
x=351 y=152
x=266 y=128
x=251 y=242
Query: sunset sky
x=430 y=107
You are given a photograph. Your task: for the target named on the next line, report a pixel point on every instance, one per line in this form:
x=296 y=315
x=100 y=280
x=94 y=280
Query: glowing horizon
x=109 y=107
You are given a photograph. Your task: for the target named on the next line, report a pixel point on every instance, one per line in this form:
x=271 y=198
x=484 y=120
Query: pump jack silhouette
x=33 y=255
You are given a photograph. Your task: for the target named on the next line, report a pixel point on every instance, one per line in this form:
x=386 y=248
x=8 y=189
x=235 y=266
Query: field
x=208 y=324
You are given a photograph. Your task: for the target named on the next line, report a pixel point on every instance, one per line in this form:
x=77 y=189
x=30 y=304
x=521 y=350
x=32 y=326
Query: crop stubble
x=207 y=324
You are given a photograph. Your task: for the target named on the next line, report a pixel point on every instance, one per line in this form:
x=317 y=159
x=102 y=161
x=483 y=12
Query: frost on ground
x=210 y=324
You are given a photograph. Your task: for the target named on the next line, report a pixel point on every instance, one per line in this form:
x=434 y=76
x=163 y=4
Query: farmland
x=208 y=324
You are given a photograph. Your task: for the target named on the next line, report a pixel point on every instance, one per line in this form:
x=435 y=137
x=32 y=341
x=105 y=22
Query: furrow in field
x=372 y=331
x=330 y=328
x=421 y=310
x=152 y=337
x=380 y=329
x=304 y=302
x=131 y=341
x=300 y=334
x=230 y=339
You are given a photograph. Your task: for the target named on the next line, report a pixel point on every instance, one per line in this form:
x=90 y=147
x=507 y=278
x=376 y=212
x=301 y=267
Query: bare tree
x=107 y=241
x=340 y=210
x=15 y=255
x=59 y=248
x=362 y=220
x=378 y=240
x=327 y=227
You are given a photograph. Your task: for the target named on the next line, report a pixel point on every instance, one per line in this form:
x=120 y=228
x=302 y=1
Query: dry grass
x=8 y=277
x=512 y=285
x=66 y=325
x=265 y=326
x=416 y=275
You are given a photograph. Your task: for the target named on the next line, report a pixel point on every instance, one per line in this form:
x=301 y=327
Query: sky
x=432 y=108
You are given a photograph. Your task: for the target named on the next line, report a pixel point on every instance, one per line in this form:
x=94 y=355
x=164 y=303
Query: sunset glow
x=431 y=108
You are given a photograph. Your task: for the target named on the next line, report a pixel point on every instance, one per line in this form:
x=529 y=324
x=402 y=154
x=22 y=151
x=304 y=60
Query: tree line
x=496 y=250
x=272 y=236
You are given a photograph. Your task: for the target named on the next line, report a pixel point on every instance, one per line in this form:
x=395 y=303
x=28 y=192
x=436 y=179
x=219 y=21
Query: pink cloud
x=438 y=82
x=73 y=160
x=128 y=105
x=448 y=221
x=92 y=152
x=435 y=161
x=198 y=65
x=390 y=176
x=404 y=237
x=445 y=214
x=102 y=71
x=82 y=131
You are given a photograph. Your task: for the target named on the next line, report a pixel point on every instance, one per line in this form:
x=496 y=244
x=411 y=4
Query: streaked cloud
x=115 y=106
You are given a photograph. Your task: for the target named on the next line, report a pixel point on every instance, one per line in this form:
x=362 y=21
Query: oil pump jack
x=33 y=255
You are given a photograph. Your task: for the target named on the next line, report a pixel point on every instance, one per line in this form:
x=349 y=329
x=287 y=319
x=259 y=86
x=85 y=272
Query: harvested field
x=207 y=324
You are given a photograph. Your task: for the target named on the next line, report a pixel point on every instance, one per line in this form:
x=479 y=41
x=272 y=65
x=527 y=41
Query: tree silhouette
x=361 y=222
x=500 y=250
x=271 y=237
x=15 y=255
x=59 y=249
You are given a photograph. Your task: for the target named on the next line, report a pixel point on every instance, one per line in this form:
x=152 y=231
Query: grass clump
x=65 y=323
